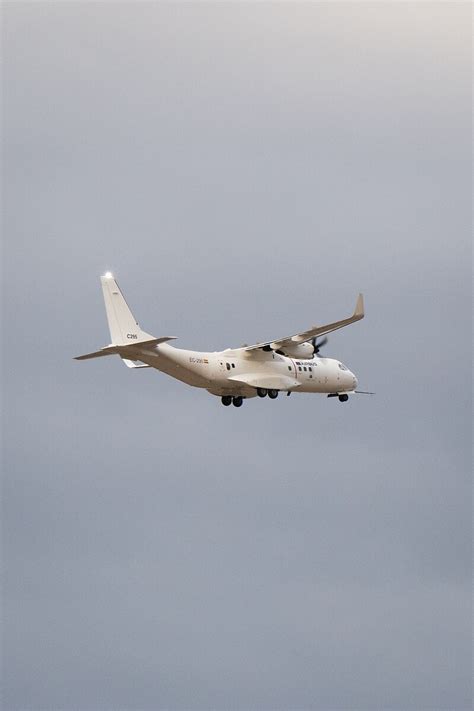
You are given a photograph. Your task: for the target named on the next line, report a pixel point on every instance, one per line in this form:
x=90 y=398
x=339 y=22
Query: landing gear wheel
x=237 y=401
x=226 y=400
x=343 y=398
x=273 y=394
x=261 y=392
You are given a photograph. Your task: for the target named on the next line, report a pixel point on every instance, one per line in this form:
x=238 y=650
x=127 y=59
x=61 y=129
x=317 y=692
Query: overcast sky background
x=244 y=169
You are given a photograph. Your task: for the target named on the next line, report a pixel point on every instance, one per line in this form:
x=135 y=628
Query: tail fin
x=128 y=339
x=124 y=328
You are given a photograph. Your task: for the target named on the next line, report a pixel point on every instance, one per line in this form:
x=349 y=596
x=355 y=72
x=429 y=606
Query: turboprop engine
x=298 y=350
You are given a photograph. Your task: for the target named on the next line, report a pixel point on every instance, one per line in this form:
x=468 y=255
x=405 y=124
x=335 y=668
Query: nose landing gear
x=343 y=397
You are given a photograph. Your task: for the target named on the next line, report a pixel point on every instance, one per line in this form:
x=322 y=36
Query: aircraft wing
x=313 y=331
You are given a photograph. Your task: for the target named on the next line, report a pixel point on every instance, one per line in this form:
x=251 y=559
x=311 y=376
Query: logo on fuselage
x=132 y=335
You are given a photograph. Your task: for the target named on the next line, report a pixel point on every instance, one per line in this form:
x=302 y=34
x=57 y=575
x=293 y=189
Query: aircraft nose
x=354 y=381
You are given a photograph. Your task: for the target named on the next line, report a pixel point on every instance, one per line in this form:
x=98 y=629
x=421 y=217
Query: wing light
x=108 y=275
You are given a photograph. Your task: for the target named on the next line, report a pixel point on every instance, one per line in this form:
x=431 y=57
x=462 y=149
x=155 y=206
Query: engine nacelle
x=298 y=350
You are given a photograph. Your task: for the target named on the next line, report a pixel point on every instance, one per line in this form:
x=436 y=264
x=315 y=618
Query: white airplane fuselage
x=214 y=371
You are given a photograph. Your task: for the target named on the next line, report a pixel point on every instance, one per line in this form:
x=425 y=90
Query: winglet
x=359 y=309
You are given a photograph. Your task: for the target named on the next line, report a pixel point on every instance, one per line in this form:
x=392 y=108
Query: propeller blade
x=317 y=346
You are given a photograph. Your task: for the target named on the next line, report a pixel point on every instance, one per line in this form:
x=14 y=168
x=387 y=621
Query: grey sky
x=244 y=169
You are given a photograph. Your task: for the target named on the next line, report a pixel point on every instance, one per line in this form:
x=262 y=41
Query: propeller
x=317 y=346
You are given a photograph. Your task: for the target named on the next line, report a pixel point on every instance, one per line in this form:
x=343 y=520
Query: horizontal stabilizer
x=108 y=350
x=127 y=349
x=135 y=363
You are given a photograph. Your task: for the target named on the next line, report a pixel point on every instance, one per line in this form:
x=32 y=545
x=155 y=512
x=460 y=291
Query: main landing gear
x=229 y=400
x=237 y=400
x=272 y=394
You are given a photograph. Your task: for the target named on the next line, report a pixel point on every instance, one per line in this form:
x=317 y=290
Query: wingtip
x=359 y=309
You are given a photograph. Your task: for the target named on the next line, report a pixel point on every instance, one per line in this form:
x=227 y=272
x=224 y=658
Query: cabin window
x=227 y=365
x=289 y=367
x=299 y=367
x=233 y=365
x=305 y=369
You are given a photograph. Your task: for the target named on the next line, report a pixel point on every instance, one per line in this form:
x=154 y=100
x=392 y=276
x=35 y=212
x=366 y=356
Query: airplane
x=291 y=364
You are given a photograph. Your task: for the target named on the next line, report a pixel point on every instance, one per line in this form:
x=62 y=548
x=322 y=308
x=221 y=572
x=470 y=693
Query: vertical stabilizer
x=124 y=328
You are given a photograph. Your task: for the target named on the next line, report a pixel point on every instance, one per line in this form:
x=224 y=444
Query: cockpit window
x=341 y=366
